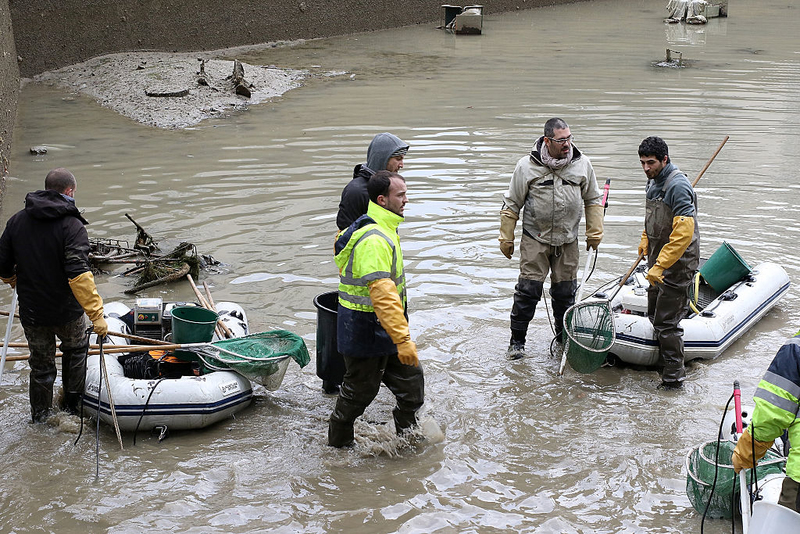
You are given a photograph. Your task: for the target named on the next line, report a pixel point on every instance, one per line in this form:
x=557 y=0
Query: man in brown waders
x=672 y=244
x=44 y=254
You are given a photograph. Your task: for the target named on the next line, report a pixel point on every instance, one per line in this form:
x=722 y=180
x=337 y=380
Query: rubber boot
x=41 y=394
x=340 y=434
x=403 y=420
x=72 y=403
x=527 y=294
x=563 y=295
x=516 y=347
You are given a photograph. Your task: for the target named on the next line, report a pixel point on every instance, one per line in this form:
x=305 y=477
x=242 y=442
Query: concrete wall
x=9 y=89
x=55 y=33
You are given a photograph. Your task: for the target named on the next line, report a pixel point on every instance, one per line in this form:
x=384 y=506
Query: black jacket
x=355 y=198
x=45 y=244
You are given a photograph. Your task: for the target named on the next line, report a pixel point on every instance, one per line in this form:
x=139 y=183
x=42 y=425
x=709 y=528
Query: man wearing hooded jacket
x=44 y=255
x=385 y=153
x=671 y=242
x=372 y=317
x=551 y=186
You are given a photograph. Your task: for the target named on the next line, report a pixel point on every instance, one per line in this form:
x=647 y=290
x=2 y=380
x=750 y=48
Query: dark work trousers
x=666 y=306
x=42 y=345
x=790 y=494
x=536 y=261
x=362 y=381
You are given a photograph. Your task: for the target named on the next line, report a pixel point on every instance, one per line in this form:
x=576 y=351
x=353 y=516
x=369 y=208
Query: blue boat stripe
x=784 y=383
x=135 y=410
x=778 y=401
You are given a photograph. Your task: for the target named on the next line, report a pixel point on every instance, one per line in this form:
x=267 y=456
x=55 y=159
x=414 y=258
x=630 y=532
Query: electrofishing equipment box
x=147 y=312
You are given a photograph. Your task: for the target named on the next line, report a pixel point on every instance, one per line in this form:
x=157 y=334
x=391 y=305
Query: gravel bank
x=122 y=82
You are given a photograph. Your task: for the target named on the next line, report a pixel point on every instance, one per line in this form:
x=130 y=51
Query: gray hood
x=381 y=149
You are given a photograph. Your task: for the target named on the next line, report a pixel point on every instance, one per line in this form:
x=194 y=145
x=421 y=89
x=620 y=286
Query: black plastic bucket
x=330 y=364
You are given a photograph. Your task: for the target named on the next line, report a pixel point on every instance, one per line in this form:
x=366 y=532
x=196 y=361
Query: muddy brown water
x=523 y=449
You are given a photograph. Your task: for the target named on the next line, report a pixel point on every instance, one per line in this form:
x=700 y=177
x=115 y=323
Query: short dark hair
x=554 y=124
x=654 y=146
x=379 y=184
x=60 y=180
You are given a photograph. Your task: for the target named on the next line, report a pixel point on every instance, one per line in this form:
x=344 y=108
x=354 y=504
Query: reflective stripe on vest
x=355 y=290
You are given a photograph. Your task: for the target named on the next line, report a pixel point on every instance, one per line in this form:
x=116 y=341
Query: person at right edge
x=44 y=255
x=551 y=186
x=671 y=242
x=372 y=318
x=777 y=401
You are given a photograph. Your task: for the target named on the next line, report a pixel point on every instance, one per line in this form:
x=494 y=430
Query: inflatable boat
x=718 y=319
x=193 y=400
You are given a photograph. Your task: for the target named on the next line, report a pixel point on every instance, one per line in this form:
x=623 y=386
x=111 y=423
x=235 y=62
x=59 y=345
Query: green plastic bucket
x=724 y=268
x=702 y=463
x=192 y=324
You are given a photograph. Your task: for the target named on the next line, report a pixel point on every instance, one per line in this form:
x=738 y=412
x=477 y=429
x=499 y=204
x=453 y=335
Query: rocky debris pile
x=170 y=90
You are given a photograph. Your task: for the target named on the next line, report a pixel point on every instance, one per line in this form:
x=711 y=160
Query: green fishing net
x=262 y=358
x=704 y=464
x=590 y=334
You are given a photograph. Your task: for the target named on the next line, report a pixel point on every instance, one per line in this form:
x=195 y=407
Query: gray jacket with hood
x=355 y=197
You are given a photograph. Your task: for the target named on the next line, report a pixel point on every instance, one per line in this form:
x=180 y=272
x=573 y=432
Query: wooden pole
x=228 y=333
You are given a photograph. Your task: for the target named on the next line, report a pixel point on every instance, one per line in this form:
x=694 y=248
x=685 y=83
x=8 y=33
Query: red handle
x=605 y=192
x=737 y=405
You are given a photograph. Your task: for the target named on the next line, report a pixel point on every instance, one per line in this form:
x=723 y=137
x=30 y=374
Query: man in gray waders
x=44 y=254
x=671 y=242
x=552 y=186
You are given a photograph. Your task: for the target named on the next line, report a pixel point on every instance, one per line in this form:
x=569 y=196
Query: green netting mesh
x=262 y=358
x=590 y=332
x=701 y=464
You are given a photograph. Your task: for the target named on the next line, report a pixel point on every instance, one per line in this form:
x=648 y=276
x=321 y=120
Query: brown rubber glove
x=508 y=222
x=594 y=225
x=743 y=454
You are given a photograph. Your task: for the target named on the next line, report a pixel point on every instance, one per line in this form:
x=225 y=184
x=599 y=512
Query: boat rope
x=144 y=408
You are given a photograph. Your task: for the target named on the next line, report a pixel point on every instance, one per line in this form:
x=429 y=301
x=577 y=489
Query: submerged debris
x=151 y=269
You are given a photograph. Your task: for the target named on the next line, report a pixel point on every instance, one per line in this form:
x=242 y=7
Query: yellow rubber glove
x=594 y=225
x=508 y=222
x=643 y=244
x=655 y=275
x=743 y=456
x=85 y=292
x=679 y=240
x=11 y=280
x=407 y=353
x=389 y=309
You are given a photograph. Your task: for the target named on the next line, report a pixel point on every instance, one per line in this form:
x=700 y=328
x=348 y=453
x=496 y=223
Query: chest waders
x=668 y=303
